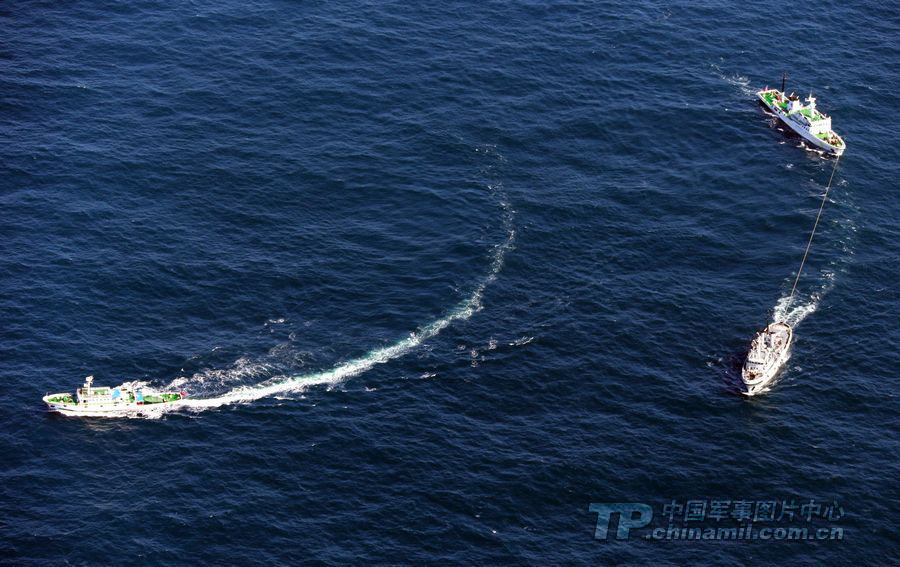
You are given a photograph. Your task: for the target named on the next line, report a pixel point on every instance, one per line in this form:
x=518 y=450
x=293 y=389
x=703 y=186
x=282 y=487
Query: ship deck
x=148 y=399
x=811 y=114
x=769 y=97
x=156 y=399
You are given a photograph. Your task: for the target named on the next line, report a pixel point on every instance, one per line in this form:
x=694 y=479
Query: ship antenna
x=783 y=78
x=813 y=233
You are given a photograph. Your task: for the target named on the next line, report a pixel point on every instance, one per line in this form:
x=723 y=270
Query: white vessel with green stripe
x=804 y=119
x=103 y=401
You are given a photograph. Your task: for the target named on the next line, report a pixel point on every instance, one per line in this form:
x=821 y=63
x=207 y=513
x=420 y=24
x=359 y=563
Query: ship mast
x=87 y=388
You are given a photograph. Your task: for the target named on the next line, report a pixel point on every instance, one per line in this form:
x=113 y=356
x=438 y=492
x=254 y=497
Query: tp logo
x=632 y=515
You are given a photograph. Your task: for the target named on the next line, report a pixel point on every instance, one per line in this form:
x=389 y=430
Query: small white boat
x=103 y=401
x=769 y=350
x=804 y=119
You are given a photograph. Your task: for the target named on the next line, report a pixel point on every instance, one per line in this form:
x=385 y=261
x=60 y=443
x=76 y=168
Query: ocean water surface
x=438 y=276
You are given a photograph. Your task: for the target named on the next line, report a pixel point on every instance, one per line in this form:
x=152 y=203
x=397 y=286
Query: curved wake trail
x=463 y=310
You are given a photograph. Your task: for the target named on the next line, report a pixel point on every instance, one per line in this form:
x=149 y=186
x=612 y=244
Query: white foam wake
x=844 y=235
x=742 y=82
x=801 y=308
x=299 y=382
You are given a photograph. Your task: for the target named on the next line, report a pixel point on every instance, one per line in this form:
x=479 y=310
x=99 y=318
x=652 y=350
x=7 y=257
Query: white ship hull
x=105 y=410
x=770 y=349
x=122 y=401
x=800 y=127
x=753 y=387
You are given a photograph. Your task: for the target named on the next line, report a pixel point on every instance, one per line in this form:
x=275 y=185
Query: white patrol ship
x=804 y=119
x=768 y=352
x=103 y=401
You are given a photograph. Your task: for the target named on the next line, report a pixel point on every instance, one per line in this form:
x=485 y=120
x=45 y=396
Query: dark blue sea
x=439 y=276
